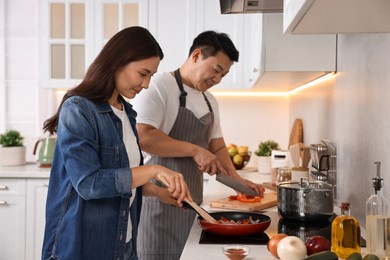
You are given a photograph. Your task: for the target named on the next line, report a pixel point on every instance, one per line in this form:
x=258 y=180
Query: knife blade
x=234 y=184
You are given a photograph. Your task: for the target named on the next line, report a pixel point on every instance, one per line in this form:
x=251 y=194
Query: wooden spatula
x=198 y=209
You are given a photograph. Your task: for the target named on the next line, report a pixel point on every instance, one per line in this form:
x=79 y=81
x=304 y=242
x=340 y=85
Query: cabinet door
x=12 y=218
x=172 y=23
x=73 y=33
x=35 y=217
x=209 y=17
x=175 y=24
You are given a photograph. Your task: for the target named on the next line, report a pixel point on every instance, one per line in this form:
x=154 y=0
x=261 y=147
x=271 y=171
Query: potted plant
x=264 y=151
x=12 y=151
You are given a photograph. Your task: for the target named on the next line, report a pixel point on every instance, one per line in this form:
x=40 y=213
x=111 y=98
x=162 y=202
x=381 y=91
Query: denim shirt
x=87 y=205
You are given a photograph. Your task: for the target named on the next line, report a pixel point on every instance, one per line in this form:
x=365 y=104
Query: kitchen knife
x=234 y=184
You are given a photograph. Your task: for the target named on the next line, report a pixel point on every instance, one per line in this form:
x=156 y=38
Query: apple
x=242 y=150
x=291 y=248
x=237 y=159
x=232 y=151
x=316 y=244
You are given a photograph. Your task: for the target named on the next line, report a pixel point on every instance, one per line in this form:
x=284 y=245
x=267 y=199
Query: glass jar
x=283 y=175
x=345 y=233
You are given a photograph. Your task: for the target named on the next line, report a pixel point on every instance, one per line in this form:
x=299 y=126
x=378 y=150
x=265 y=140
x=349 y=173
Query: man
x=178 y=125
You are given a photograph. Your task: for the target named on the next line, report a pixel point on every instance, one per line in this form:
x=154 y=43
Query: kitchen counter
x=29 y=170
x=215 y=190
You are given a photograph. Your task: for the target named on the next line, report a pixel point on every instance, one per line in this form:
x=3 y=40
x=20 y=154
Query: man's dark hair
x=211 y=42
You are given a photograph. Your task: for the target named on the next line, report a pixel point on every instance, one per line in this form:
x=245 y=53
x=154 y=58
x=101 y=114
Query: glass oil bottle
x=345 y=233
x=378 y=220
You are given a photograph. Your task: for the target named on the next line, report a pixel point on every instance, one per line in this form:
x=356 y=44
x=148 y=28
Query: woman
x=94 y=198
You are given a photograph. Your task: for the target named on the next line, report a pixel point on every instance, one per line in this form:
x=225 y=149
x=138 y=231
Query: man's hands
x=208 y=162
x=254 y=186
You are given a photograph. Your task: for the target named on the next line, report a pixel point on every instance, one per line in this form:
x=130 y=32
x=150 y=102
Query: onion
x=291 y=248
x=272 y=244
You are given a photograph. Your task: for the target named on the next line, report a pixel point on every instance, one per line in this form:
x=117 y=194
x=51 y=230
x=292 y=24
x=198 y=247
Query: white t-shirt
x=159 y=104
x=133 y=154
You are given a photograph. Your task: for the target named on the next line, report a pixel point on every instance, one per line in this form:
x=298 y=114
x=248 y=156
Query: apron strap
x=208 y=102
x=183 y=94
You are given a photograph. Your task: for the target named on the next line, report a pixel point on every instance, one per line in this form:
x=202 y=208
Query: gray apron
x=163 y=228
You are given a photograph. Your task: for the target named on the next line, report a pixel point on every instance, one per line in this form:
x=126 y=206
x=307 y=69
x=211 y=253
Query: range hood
x=251 y=6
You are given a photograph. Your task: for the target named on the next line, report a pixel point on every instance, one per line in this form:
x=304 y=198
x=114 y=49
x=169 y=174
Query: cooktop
x=278 y=225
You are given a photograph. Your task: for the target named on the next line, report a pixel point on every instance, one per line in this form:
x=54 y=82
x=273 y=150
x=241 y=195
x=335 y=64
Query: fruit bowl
x=239 y=155
x=245 y=160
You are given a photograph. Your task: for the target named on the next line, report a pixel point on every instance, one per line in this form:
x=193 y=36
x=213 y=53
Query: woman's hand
x=165 y=197
x=175 y=183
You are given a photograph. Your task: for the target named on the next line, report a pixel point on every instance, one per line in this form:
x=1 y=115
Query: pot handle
x=305 y=182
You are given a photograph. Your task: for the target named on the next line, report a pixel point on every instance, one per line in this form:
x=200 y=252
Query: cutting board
x=269 y=200
x=270 y=186
x=296 y=135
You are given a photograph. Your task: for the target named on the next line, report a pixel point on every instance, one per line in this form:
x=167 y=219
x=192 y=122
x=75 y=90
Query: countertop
x=215 y=190
x=29 y=170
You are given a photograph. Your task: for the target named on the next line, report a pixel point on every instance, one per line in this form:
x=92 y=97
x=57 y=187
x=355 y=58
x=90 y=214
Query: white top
x=132 y=152
x=159 y=104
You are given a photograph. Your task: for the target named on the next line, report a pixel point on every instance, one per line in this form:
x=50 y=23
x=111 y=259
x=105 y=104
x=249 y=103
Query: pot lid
x=304 y=183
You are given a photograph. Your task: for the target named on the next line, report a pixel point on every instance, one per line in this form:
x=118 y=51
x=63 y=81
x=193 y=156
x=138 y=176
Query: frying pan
x=235 y=229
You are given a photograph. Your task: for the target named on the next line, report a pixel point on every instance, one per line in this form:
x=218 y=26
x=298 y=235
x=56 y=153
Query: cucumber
x=354 y=256
x=324 y=255
x=370 y=257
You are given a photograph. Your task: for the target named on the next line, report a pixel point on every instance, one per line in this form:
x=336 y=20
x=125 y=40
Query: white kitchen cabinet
x=175 y=23
x=73 y=33
x=335 y=16
x=282 y=62
x=35 y=216
x=12 y=218
x=22 y=217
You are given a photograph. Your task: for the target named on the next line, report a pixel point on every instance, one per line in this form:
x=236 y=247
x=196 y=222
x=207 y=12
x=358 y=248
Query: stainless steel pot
x=305 y=201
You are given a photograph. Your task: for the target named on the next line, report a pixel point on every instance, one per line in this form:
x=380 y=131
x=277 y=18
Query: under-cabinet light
x=248 y=93
x=313 y=82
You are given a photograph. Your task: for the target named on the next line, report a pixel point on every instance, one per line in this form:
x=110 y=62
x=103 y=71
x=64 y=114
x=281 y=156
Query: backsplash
x=352 y=110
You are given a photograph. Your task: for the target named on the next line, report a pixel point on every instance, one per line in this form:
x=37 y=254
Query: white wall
x=353 y=111
x=26 y=104
x=249 y=120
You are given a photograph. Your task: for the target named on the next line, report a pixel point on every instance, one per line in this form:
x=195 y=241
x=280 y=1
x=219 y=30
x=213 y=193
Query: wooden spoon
x=198 y=209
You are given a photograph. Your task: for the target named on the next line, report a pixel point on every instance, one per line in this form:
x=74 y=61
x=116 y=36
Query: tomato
x=233 y=197
x=247 y=198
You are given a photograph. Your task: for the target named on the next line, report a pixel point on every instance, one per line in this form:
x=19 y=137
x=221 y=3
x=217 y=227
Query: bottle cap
x=345 y=205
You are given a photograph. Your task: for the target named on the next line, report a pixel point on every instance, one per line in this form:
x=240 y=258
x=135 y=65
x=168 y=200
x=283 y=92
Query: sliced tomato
x=247 y=198
x=233 y=197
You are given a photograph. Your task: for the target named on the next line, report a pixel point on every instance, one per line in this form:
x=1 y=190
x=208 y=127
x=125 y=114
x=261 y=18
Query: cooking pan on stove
x=235 y=229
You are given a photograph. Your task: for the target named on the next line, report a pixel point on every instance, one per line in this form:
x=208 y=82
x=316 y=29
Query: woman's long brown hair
x=130 y=44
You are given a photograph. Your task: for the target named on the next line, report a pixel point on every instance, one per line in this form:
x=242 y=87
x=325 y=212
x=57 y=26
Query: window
x=74 y=33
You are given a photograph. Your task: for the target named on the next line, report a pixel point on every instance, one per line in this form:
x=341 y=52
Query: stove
x=301 y=229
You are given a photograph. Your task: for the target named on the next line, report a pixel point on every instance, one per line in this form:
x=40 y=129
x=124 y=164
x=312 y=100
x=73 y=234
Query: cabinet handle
x=3 y=187
x=45 y=185
x=3 y=202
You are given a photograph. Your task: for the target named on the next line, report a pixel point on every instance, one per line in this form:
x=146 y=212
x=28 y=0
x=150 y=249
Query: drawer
x=12 y=187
